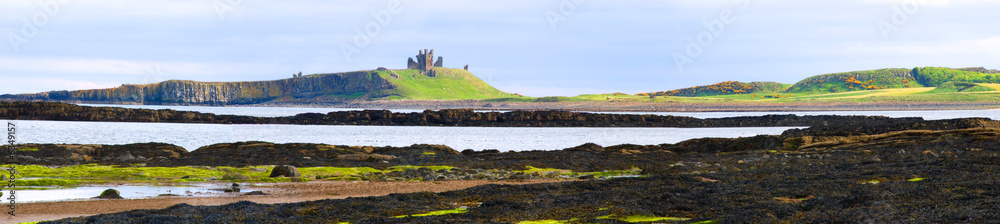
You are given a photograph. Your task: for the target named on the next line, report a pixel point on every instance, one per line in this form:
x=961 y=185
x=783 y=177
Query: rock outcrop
x=469 y=117
x=285 y=171
x=222 y=93
x=68 y=154
x=110 y=194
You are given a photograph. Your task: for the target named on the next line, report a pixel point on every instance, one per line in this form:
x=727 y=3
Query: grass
x=404 y=168
x=49 y=182
x=838 y=82
x=531 y=169
x=447 y=84
x=604 y=174
x=995 y=87
x=965 y=87
x=436 y=213
x=69 y=176
x=881 y=85
x=883 y=95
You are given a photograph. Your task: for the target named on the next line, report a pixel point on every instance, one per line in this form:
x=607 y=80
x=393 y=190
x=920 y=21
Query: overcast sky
x=532 y=47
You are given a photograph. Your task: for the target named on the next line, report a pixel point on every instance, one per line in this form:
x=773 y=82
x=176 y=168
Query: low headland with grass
x=441 y=87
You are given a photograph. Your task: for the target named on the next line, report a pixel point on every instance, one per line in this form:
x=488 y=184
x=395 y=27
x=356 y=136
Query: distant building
x=425 y=61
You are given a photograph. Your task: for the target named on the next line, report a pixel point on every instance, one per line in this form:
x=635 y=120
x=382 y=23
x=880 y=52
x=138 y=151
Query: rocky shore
x=615 y=105
x=904 y=171
x=587 y=157
x=841 y=169
x=449 y=117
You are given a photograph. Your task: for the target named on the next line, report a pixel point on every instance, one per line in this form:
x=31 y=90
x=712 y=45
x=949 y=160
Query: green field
x=978 y=93
x=72 y=176
x=447 y=84
x=927 y=84
x=892 y=84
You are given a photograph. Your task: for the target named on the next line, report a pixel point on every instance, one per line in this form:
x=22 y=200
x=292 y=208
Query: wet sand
x=279 y=193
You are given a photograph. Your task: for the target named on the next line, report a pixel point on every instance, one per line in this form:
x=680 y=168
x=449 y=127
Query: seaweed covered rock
x=69 y=154
x=110 y=194
x=586 y=147
x=285 y=171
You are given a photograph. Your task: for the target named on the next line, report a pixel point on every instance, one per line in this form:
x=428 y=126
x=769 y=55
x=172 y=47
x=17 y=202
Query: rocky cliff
x=331 y=87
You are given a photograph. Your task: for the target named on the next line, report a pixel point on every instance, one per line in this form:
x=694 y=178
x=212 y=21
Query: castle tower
x=424 y=61
x=428 y=62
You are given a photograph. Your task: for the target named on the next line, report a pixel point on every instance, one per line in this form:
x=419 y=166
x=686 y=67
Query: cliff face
x=439 y=84
x=337 y=85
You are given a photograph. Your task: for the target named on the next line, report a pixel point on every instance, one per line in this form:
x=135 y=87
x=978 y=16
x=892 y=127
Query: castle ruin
x=425 y=61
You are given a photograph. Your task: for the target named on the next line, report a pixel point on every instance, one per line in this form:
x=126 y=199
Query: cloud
x=51 y=84
x=539 y=91
x=933 y=3
x=609 y=44
x=97 y=66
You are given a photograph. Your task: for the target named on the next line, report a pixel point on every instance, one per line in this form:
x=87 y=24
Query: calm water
x=248 y=111
x=289 y=111
x=129 y=192
x=192 y=136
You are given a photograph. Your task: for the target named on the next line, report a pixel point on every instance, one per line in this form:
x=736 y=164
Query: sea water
x=193 y=136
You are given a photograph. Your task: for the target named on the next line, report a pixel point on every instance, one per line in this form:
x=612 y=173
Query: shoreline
x=444 y=117
x=284 y=192
x=817 y=176
x=824 y=173
x=611 y=106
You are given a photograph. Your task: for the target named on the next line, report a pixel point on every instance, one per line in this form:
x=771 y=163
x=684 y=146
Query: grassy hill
x=446 y=84
x=891 y=78
x=935 y=76
x=858 y=80
x=442 y=84
x=892 y=84
x=722 y=88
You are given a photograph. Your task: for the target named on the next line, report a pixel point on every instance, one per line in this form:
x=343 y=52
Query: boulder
x=586 y=147
x=110 y=194
x=126 y=157
x=286 y=171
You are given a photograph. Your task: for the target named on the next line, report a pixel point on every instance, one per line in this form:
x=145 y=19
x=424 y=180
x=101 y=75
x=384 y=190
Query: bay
x=291 y=111
x=193 y=136
x=126 y=191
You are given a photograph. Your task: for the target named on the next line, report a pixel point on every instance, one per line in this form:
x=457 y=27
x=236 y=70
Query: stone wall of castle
x=425 y=61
